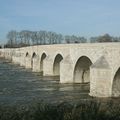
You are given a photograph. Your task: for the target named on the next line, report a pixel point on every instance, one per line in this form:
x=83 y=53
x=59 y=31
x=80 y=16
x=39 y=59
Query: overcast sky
x=80 y=17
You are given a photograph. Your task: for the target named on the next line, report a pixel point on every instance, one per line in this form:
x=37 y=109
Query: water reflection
x=18 y=85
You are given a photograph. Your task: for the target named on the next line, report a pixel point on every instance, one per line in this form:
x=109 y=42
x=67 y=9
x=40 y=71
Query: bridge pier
x=8 y=56
x=66 y=72
x=100 y=79
x=16 y=59
x=100 y=83
x=22 y=61
x=28 y=63
x=48 y=67
x=36 y=64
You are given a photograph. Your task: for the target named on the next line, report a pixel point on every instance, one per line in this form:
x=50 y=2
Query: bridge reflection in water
x=18 y=85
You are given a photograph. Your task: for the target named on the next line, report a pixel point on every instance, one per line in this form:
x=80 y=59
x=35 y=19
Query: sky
x=80 y=17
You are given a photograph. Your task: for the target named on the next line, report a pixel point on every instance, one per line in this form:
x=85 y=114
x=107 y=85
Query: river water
x=19 y=85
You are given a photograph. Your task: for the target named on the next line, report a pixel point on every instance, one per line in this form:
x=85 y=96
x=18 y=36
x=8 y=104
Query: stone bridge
x=97 y=64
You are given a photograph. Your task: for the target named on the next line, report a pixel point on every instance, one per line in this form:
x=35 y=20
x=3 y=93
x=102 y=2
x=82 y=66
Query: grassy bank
x=85 y=110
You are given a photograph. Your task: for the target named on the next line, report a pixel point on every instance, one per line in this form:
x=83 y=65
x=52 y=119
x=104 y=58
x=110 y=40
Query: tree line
x=28 y=38
x=104 y=38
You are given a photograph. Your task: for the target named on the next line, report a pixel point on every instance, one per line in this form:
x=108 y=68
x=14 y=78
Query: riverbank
x=84 y=110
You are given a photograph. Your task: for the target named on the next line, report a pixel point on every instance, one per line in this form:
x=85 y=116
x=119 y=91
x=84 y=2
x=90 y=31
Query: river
x=19 y=85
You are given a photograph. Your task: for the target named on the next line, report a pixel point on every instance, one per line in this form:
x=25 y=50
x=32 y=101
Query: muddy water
x=20 y=85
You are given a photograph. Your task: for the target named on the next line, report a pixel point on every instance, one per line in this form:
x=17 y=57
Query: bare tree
x=34 y=38
x=26 y=37
x=12 y=37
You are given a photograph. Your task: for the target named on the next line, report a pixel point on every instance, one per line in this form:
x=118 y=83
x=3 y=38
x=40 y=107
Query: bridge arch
x=56 y=64
x=33 y=56
x=43 y=56
x=116 y=84
x=27 y=54
x=81 y=72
